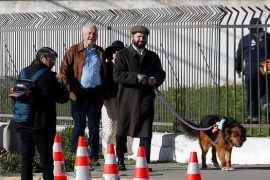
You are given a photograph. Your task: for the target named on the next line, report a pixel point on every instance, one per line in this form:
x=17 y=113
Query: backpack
x=25 y=97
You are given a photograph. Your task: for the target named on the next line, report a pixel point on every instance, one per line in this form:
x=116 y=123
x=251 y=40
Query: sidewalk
x=176 y=171
x=160 y=171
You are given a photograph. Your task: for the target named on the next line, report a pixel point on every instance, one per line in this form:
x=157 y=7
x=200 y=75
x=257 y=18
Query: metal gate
x=196 y=44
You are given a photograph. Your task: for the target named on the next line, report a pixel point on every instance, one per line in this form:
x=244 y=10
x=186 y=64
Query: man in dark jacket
x=138 y=71
x=252 y=50
x=39 y=132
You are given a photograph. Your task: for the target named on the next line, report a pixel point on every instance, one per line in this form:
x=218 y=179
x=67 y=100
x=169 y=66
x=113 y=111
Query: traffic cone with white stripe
x=81 y=167
x=193 y=171
x=59 y=170
x=141 y=167
x=110 y=170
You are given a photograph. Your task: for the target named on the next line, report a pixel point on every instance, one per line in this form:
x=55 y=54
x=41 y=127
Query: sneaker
x=95 y=163
x=254 y=120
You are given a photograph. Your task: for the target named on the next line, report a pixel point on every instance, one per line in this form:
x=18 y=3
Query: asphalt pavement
x=176 y=171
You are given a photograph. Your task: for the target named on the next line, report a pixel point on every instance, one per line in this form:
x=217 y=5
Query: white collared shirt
x=140 y=52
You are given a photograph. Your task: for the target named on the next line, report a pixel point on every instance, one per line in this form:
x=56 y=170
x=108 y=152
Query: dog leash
x=172 y=110
x=177 y=115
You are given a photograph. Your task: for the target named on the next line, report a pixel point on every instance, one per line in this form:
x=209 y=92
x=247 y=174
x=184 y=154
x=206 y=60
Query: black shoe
x=121 y=165
x=150 y=169
x=72 y=151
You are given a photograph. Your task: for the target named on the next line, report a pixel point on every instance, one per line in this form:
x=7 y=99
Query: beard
x=139 y=44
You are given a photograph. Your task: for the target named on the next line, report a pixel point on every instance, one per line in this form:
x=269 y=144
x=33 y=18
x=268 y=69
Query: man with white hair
x=82 y=70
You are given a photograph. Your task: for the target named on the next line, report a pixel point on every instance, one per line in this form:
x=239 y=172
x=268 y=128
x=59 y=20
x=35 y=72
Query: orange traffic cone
x=141 y=167
x=81 y=167
x=58 y=158
x=193 y=171
x=110 y=171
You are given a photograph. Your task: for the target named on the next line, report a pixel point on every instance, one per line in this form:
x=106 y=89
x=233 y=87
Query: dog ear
x=244 y=134
x=227 y=133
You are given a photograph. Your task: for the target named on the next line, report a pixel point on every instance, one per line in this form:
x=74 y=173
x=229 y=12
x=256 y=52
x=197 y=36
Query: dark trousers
x=89 y=105
x=256 y=88
x=121 y=146
x=30 y=139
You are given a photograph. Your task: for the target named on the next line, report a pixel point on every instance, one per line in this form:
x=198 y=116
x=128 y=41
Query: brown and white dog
x=230 y=134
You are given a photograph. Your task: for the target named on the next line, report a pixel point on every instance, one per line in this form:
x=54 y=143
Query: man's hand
x=152 y=81
x=142 y=79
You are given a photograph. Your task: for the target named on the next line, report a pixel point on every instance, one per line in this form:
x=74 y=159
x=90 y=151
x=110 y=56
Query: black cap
x=255 y=21
x=139 y=29
x=116 y=46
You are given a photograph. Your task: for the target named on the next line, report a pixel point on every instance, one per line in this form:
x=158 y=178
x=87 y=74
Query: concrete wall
x=49 y=6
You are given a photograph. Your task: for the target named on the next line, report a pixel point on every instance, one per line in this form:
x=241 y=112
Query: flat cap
x=140 y=29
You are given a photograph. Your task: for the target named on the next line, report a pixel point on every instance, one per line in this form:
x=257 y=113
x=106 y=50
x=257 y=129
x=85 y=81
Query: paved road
x=176 y=171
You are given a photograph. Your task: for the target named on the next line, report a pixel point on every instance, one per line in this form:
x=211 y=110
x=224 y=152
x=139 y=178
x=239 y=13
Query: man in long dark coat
x=138 y=71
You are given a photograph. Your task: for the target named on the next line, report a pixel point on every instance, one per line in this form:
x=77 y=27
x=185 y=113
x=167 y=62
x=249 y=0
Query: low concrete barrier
x=9 y=137
x=168 y=147
x=2 y=127
x=171 y=147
